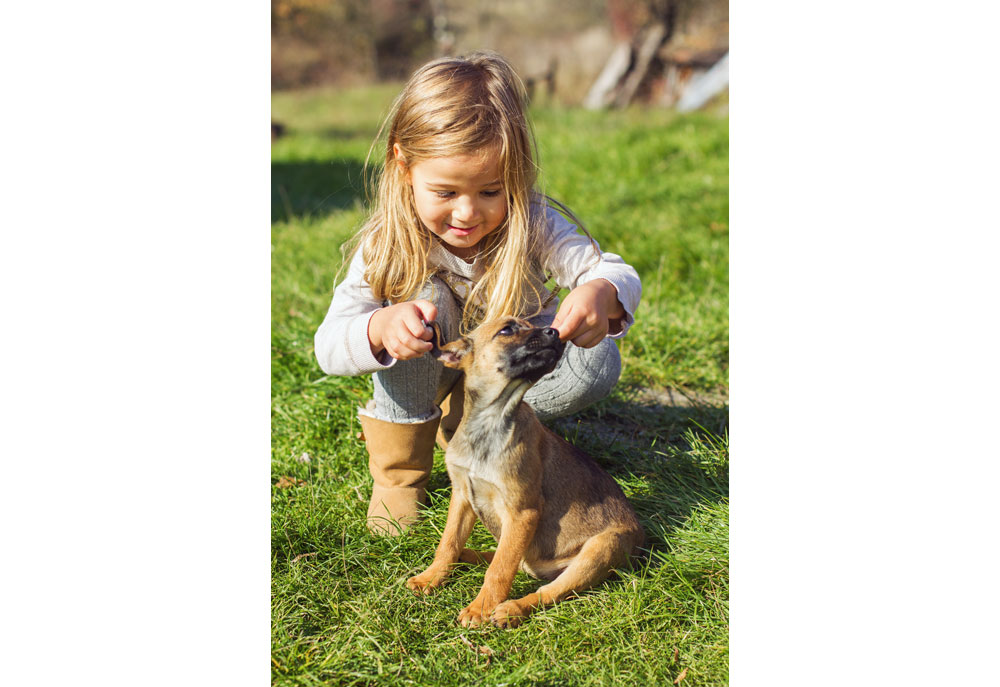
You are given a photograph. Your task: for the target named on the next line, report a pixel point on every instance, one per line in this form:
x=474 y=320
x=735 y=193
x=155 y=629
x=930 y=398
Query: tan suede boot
x=400 y=457
x=451 y=413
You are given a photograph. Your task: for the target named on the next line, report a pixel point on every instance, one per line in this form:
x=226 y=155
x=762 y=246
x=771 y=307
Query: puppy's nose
x=550 y=333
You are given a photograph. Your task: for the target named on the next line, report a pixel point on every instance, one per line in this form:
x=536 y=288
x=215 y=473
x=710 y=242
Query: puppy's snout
x=550 y=333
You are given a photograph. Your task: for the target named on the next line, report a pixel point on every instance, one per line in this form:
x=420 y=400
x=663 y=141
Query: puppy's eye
x=506 y=331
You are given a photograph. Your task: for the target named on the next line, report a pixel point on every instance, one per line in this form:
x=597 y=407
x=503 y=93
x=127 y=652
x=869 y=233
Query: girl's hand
x=588 y=313
x=399 y=331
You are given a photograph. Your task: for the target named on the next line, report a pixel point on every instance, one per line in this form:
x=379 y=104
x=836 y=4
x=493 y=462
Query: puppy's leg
x=597 y=558
x=470 y=556
x=457 y=528
x=515 y=537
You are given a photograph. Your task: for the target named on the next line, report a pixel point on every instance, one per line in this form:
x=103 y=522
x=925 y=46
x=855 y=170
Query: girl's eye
x=451 y=194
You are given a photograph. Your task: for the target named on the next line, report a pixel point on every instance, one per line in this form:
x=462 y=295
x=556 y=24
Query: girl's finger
x=394 y=349
x=415 y=327
x=591 y=337
x=570 y=324
x=585 y=341
x=428 y=311
x=415 y=347
x=401 y=348
x=405 y=353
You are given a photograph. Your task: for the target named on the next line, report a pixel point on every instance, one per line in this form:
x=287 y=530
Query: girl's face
x=461 y=199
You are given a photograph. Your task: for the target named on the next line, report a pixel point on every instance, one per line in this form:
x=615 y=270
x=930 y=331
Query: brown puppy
x=554 y=512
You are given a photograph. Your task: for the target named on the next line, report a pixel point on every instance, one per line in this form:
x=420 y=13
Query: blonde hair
x=451 y=107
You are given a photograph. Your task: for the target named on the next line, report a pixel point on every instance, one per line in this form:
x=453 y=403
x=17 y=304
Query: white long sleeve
x=341 y=342
x=572 y=260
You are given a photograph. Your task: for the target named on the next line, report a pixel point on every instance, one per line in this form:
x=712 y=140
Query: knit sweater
x=569 y=258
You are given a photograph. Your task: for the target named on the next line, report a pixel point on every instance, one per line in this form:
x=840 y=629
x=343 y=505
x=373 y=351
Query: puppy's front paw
x=509 y=614
x=426 y=582
x=474 y=615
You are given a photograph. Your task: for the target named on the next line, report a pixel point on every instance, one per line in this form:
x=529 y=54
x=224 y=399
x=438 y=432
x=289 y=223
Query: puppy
x=554 y=512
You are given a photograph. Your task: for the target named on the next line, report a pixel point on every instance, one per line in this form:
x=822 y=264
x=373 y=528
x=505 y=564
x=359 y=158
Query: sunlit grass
x=650 y=185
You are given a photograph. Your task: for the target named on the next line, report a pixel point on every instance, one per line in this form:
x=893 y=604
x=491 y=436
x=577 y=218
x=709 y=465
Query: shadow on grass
x=315 y=188
x=670 y=460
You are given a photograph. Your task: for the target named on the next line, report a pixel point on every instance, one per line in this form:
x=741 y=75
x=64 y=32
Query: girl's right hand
x=400 y=331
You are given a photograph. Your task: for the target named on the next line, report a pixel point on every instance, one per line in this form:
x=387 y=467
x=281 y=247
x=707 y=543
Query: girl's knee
x=612 y=362
x=604 y=368
x=585 y=376
x=449 y=310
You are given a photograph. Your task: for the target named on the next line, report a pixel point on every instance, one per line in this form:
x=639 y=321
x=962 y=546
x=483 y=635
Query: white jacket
x=341 y=342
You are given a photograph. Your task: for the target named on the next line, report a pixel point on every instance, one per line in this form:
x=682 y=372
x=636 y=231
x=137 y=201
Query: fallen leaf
x=484 y=650
x=284 y=482
x=681 y=676
x=677 y=654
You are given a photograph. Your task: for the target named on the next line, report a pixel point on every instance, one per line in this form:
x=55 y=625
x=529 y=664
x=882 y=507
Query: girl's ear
x=401 y=160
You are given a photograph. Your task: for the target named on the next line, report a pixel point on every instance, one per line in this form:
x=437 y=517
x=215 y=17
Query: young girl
x=458 y=236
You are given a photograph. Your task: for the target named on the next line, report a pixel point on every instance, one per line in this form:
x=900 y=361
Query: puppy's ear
x=452 y=354
x=437 y=341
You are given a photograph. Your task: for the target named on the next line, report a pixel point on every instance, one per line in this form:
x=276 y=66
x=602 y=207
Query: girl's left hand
x=586 y=315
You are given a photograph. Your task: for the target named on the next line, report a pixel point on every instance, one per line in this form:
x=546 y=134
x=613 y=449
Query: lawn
x=652 y=186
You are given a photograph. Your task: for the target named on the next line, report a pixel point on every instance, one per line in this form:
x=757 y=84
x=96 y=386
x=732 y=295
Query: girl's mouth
x=460 y=231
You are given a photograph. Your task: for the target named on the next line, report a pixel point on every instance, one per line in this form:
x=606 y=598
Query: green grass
x=652 y=186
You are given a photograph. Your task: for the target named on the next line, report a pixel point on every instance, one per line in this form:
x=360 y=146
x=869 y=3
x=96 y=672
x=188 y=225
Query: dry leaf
x=284 y=482
x=677 y=654
x=681 y=676
x=303 y=555
x=484 y=650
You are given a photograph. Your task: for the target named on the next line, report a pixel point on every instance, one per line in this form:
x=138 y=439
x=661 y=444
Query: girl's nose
x=464 y=210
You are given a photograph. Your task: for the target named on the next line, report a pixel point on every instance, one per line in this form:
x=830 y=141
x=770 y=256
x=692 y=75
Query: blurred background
x=596 y=53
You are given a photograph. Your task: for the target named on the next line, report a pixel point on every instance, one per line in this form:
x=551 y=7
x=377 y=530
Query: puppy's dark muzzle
x=541 y=338
x=536 y=355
